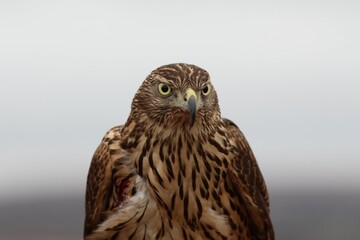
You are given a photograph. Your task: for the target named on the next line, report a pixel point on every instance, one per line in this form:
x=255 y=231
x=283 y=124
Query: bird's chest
x=188 y=183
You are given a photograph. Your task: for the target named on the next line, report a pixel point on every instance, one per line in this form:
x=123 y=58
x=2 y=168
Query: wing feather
x=99 y=188
x=246 y=176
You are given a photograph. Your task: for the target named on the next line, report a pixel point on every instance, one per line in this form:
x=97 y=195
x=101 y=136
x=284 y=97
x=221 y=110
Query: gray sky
x=288 y=73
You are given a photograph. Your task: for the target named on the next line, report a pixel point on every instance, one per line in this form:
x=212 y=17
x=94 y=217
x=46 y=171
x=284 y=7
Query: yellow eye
x=206 y=90
x=164 y=89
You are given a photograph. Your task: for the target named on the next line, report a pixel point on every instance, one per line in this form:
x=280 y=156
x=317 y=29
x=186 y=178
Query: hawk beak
x=191 y=100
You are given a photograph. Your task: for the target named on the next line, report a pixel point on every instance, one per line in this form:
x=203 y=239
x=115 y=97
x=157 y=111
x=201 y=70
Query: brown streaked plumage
x=176 y=169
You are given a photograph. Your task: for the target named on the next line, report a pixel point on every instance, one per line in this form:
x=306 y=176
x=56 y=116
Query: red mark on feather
x=122 y=188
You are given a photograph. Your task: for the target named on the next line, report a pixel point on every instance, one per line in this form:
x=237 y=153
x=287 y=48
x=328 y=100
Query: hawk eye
x=206 y=90
x=164 y=89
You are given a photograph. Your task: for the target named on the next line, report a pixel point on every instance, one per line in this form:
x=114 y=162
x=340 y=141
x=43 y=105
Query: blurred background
x=286 y=72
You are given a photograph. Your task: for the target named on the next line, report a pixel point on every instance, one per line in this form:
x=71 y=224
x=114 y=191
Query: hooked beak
x=191 y=99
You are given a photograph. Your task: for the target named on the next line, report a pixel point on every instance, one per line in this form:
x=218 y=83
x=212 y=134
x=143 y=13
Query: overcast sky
x=287 y=72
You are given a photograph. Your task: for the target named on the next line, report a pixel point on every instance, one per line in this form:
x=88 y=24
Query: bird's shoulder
x=106 y=186
x=245 y=163
x=247 y=178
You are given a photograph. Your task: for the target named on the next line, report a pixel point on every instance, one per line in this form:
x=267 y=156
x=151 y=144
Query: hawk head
x=177 y=95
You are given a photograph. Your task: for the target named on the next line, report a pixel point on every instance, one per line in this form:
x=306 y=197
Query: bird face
x=178 y=94
x=187 y=100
